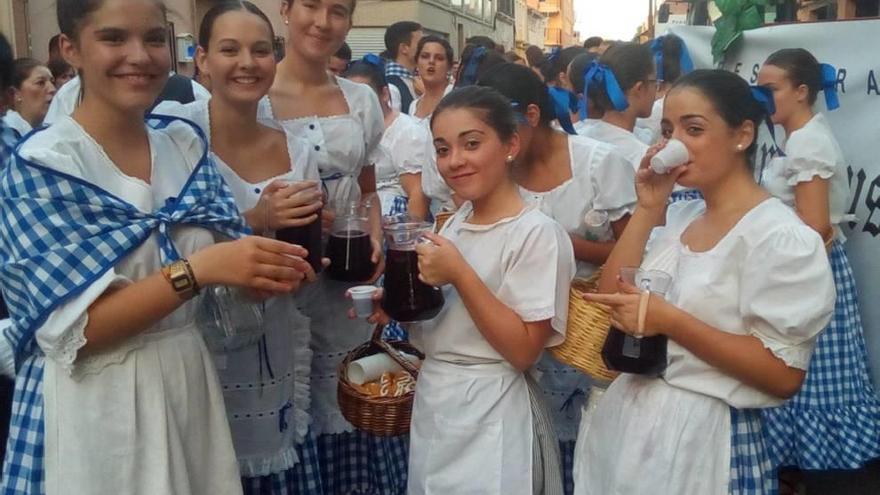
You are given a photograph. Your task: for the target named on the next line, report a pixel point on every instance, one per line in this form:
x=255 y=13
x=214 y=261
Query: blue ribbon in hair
x=469 y=74
x=599 y=74
x=564 y=103
x=553 y=55
x=764 y=96
x=829 y=86
x=374 y=60
x=684 y=59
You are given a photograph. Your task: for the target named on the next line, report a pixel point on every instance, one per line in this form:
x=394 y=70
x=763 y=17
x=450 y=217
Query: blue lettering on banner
x=872 y=83
x=871 y=198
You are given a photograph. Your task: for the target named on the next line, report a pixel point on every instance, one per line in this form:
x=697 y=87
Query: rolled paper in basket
x=370 y=368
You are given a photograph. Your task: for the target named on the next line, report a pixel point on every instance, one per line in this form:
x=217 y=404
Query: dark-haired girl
x=32 y=92
x=834 y=422
x=403 y=152
x=107 y=242
x=672 y=61
x=434 y=61
x=477 y=421
x=623 y=84
x=342 y=121
x=273 y=177
x=566 y=177
x=752 y=288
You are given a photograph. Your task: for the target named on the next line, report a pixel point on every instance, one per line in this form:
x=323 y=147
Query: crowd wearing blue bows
x=598 y=109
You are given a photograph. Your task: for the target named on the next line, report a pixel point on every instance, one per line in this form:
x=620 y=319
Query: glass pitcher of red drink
x=406 y=297
x=349 y=247
x=640 y=355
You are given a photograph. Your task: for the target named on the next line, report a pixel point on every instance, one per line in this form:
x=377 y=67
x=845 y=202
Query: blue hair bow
x=374 y=60
x=684 y=60
x=469 y=74
x=598 y=74
x=764 y=96
x=829 y=86
x=564 y=103
x=553 y=55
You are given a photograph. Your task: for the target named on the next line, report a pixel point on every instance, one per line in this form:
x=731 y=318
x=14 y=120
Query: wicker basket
x=588 y=325
x=380 y=416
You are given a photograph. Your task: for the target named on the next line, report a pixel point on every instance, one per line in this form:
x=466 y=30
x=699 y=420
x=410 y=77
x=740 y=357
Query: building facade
x=531 y=24
x=560 y=23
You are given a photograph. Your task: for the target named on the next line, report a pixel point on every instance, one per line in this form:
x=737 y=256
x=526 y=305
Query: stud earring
x=286 y=22
x=509 y=159
x=739 y=147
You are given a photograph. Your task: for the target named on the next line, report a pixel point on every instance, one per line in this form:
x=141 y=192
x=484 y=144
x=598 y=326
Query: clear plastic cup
x=362 y=299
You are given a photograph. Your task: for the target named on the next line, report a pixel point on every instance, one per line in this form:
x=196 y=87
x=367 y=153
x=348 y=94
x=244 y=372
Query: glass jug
x=349 y=247
x=640 y=355
x=406 y=297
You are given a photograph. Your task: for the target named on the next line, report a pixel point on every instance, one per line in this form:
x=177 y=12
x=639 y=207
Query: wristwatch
x=179 y=274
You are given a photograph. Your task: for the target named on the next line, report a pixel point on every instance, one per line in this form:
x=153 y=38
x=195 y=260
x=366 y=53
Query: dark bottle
x=406 y=297
x=349 y=252
x=307 y=236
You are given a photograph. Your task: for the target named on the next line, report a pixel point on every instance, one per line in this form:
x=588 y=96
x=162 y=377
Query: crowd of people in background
x=120 y=233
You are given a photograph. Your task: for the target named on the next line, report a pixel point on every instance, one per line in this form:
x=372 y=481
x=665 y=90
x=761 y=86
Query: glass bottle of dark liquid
x=640 y=355
x=406 y=297
x=349 y=247
x=307 y=236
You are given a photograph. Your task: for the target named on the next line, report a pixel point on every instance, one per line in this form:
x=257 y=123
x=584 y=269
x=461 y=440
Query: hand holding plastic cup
x=675 y=153
x=362 y=299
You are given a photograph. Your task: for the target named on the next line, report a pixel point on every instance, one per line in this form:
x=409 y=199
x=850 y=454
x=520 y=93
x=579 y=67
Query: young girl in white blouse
x=505 y=269
x=834 y=421
x=402 y=153
x=751 y=290
x=106 y=242
x=273 y=177
x=342 y=122
x=623 y=85
x=567 y=177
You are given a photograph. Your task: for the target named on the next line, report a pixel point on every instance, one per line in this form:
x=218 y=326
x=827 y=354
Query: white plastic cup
x=371 y=368
x=362 y=298
x=675 y=153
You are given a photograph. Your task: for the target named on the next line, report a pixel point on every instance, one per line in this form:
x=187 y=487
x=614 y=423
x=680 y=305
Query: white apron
x=477 y=442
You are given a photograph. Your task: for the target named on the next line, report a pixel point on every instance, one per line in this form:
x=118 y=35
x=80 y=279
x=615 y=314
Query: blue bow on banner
x=598 y=74
x=684 y=59
x=373 y=59
x=469 y=74
x=764 y=97
x=564 y=103
x=829 y=86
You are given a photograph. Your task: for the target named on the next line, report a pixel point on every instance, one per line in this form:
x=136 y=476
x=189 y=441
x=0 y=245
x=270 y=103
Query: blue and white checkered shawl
x=58 y=235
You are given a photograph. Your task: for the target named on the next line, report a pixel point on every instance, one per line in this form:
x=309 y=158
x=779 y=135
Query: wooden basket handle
x=396 y=355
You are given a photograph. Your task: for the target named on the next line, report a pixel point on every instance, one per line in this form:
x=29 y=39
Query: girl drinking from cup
x=478 y=422
x=834 y=421
x=751 y=290
x=108 y=239
x=273 y=177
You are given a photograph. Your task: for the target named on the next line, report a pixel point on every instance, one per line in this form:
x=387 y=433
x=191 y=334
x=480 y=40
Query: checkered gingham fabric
x=57 y=236
x=751 y=472
x=392 y=68
x=834 y=421
x=303 y=478
x=361 y=463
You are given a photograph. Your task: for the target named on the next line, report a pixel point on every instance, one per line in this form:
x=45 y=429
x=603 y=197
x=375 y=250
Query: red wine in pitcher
x=627 y=354
x=349 y=252
x=307 y=236
x=406 y=297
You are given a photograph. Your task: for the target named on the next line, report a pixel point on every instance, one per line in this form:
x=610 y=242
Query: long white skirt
x=147 y=418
